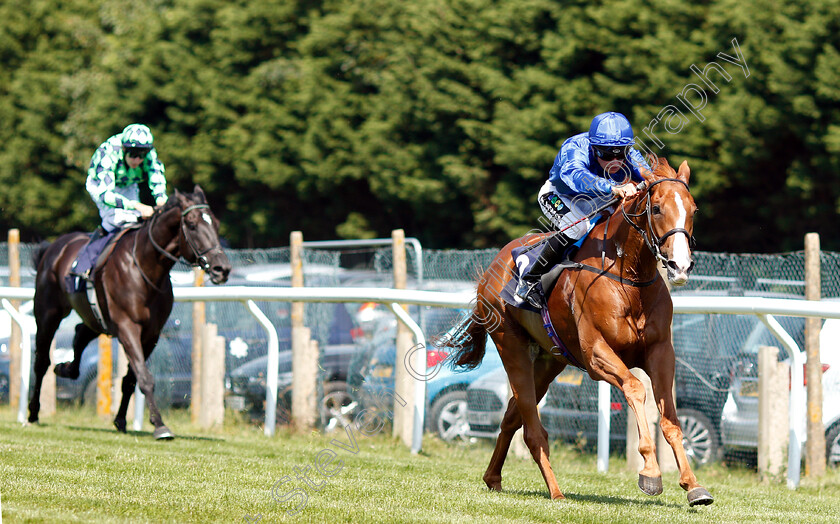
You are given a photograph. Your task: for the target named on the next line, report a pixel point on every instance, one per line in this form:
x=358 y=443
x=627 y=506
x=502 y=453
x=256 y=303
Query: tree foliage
x=442 y=117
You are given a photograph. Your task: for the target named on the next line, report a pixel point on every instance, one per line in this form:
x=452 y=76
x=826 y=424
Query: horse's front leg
x=606 y=365
x=660 y=369
x=130 y=337
x=128 y=383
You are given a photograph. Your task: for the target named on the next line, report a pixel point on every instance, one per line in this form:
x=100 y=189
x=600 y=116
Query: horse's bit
x=200 y=257
x=653 y=242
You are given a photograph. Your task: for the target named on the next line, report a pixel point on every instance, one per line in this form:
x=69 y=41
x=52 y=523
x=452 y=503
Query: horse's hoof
x=650 y=485
x=494 y=486
x=120 y=425
x=163 y=433
x=558 y=496
x=66 y=371
x=699 y=497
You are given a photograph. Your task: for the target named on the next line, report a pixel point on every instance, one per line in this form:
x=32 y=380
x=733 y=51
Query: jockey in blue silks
x=591 y=169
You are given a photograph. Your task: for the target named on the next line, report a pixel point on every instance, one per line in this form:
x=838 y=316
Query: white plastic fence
x=764 y=308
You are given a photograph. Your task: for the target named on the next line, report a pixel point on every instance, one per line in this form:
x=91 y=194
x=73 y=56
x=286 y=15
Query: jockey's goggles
x=137 y=152
x=611 y=152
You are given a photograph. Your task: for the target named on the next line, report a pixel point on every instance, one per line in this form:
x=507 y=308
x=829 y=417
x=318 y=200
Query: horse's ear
x=684 y=173
x=199 y=192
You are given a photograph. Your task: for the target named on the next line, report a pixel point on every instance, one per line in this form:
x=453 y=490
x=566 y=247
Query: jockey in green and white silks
x=117 y=168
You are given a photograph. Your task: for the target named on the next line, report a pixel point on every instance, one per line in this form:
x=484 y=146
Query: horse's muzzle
x=678 y=276
x=219 y=269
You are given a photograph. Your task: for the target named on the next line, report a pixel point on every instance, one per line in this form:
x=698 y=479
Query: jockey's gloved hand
x=145 y=211
x=624 y=191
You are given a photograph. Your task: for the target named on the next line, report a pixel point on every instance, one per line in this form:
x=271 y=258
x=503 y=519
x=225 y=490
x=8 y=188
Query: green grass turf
x=76 y=468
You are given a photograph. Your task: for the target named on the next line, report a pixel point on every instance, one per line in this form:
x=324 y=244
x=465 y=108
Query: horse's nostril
x=673 y=265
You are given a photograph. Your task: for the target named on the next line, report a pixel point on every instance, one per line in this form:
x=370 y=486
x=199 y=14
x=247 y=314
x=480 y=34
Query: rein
x=200 y=258
x=653 y=242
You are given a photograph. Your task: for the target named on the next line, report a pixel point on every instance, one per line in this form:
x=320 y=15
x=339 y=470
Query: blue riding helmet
x=137 y=136
x=611 y=129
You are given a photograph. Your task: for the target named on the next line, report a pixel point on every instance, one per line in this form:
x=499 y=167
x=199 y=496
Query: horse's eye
x=655 y=210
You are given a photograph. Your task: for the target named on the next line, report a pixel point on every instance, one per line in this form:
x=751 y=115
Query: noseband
x=200 y=257
x=653 y=242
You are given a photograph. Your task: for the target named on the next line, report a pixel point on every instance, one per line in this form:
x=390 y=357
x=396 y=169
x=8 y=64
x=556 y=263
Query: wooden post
x=773 y=421
x=103 y=377
x=304 y=359
x=199 y=319
x=14 y=334
x=403 y=383
x=815 y=446
x=212 y=378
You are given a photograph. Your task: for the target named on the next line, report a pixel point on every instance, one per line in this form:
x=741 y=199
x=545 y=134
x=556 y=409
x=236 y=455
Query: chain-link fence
x=715 y=353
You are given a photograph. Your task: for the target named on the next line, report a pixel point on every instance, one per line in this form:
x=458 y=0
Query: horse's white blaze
x=681 y=255
x=207 y=218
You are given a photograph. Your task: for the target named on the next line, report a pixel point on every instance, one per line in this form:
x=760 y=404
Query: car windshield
x=762 y=336
x=707 y=334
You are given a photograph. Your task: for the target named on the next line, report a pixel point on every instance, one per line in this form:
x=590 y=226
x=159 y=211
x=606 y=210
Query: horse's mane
x=172 y=202
x=661 y=167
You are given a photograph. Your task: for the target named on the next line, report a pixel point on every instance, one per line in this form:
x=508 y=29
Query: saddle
x=80 y=283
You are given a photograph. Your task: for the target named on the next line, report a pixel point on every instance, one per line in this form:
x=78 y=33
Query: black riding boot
x=87 y=259
x=530 y=288
x=98 y=233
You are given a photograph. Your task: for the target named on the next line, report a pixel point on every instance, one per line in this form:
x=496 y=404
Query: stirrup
x=530 y=292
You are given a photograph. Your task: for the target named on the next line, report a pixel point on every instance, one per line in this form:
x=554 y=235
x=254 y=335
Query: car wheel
x=699 y=437
x=449 y=416
x=832 y=445
x=338 y=407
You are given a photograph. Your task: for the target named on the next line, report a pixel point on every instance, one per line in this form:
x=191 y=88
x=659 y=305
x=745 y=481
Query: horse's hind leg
x=662 y=376
x=84 y=335
x=128 y=383
x=47 y=321
x=545 y=369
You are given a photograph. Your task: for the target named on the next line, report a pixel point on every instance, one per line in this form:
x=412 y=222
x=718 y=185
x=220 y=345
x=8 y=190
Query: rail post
x=304 y=360
x=403 y=418
x=14 y=335
x=815 y=443
x=199 y=318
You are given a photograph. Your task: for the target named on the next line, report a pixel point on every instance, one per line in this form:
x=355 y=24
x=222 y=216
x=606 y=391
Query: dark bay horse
x=133 y=290
x=612 y=317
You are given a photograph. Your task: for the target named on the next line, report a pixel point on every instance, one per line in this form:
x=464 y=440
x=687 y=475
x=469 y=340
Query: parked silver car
x=739 y=421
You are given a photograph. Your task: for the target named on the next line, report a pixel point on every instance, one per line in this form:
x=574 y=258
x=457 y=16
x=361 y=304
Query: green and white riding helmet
x=137 y=136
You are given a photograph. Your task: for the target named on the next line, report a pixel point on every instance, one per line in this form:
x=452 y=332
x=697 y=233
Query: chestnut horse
x=613 y=315
x=133 y=290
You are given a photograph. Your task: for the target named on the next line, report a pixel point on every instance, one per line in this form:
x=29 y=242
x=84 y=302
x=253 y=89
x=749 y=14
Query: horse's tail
x=38 y=254
x=466 y=342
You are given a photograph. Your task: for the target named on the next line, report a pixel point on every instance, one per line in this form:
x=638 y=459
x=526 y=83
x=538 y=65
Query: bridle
x=200 y=256
x=653 y=242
